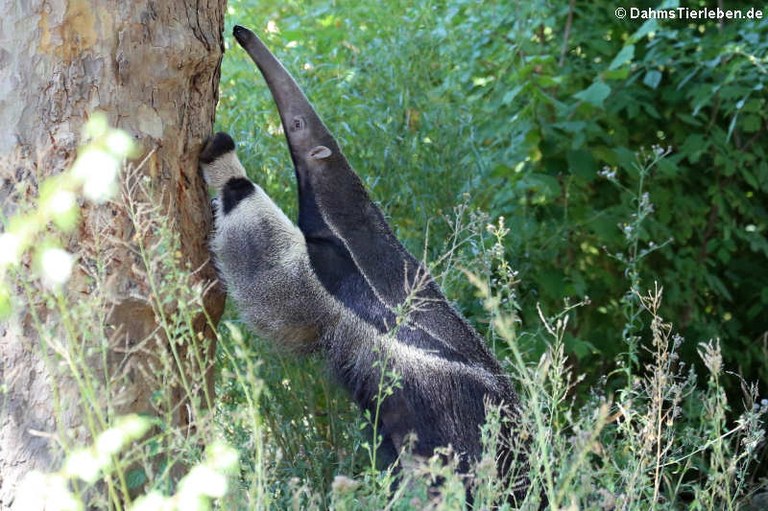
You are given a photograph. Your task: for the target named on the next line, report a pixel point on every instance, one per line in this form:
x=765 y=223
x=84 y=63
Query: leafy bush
x=522 y=107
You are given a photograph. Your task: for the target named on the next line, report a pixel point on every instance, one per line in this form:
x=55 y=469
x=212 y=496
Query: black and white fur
x=342 y=285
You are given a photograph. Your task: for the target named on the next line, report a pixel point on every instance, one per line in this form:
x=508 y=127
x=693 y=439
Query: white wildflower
x=56 y=265
x=10 y=249
x=97 y=170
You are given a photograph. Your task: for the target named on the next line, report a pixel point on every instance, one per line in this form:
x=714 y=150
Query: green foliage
x=522 y=107
x=558 y=110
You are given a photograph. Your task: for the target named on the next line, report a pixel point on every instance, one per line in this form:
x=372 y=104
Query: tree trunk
x=153 y=68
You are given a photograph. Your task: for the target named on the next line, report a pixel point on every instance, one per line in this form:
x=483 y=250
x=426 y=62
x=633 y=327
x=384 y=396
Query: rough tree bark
x=153 y=67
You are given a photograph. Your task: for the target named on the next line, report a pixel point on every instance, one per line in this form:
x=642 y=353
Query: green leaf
x=751 y=123
x=750 y=178
x=625 y=56
x=689 y=119
x=595 y=94
x=625 y=157
x=616 y=74
x=572 y=126
x=551 y=281
x=579 y=346
x=717 y=285
x=646 y=28
x=693 y=147
x=546 y=185
x=135 y=478
x=652 y=79
x=511 y=95
x=582 y=164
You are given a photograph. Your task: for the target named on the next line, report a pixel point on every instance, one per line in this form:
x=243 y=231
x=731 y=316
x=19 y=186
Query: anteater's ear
x=348 y=219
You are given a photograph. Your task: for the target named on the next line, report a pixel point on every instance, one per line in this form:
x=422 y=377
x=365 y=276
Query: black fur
x=220 y=143
x=236 y=190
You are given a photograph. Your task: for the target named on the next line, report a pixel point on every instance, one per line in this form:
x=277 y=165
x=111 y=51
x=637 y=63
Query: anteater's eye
x=297 y=124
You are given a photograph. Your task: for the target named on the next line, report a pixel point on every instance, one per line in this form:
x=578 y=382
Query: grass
x=649 y=434
x=280 y=435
